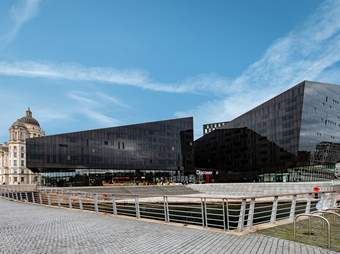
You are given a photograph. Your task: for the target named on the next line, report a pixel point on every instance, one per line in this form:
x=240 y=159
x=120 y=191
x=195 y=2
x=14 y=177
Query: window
x=22 y=179
x=22 y=155
x=15 y=179
x=15 y=163
x=22 y=163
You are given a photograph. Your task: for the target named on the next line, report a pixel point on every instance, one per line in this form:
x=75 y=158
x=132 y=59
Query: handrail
x=309 y=225
x=328 y=211
x=192 y=195
x=222 y=212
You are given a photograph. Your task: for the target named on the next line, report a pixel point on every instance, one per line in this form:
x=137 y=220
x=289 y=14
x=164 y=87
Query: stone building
x=13 y=153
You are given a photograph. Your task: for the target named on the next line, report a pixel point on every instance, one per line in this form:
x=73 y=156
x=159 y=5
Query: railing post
x=96 y=202
x=40 y=198
x=165 y=210
x=227 y=213
x=240 y=225
x=205 y=212
x=223 y=211
x=137 y=207
x=58 y=199
x=202 y=211
x=49 y=199
x=251 y=212
x=20 y=195
x=69 y=200
x=114 y=205
x=333 y=203
x=309 y=202
x=274 y=210
x=80 y=202
x=33 y=198
x=26 y=194
x=292 y=208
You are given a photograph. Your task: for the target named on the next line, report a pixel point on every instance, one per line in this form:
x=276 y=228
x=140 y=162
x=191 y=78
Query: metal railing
x=223 y=212
x=309 y=225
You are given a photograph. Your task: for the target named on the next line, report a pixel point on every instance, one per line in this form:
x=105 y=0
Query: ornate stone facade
x=13 y=153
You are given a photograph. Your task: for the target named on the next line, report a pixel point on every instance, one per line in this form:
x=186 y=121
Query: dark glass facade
x=303 y=122
x=163 y=146
x=239 y=154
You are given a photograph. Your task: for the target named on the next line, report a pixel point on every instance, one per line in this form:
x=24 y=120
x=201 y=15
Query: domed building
x=13 y=153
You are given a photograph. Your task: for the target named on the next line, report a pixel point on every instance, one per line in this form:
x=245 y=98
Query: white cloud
x=134 y=78
x=307 y=53
x=91 y=106
x=112 y=99
x=20 y=14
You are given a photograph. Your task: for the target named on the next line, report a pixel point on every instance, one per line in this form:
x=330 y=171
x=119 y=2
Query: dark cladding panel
x=162 y=145
x=321 y=116
x=278 y=119
x=239 y=154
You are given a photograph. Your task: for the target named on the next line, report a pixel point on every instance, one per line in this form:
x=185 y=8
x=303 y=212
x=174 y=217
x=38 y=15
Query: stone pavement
x=26 y=228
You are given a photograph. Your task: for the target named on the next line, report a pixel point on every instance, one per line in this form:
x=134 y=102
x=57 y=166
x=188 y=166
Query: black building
x=298 y=122
x=162 y=148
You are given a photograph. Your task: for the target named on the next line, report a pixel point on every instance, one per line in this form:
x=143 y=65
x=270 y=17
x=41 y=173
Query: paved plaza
x=26 y=228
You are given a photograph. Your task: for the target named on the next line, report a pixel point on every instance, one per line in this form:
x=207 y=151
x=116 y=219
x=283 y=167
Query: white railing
x=227 y=213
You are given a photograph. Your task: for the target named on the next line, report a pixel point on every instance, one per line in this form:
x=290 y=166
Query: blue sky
x=85 y=64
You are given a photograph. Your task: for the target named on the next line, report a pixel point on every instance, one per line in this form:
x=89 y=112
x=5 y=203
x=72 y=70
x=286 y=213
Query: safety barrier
x=226 y=213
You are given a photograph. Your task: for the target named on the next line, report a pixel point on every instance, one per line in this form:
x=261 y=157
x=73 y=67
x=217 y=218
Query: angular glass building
x=303 y=122
x=138 y=151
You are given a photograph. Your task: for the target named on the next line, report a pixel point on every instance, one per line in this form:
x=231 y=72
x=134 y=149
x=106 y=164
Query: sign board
x=201 y=172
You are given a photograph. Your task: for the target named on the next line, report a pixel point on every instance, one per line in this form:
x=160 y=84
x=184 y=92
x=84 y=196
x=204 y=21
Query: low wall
x=20 y=187
x=257 y=189
x=150 y=190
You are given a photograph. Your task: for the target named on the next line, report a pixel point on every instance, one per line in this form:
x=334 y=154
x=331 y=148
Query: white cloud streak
x=20 y=14
x=309 y=52
x=92 y=107
x=134 y=78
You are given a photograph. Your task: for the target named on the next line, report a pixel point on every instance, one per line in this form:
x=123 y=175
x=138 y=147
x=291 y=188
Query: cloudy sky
x=86 y=64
